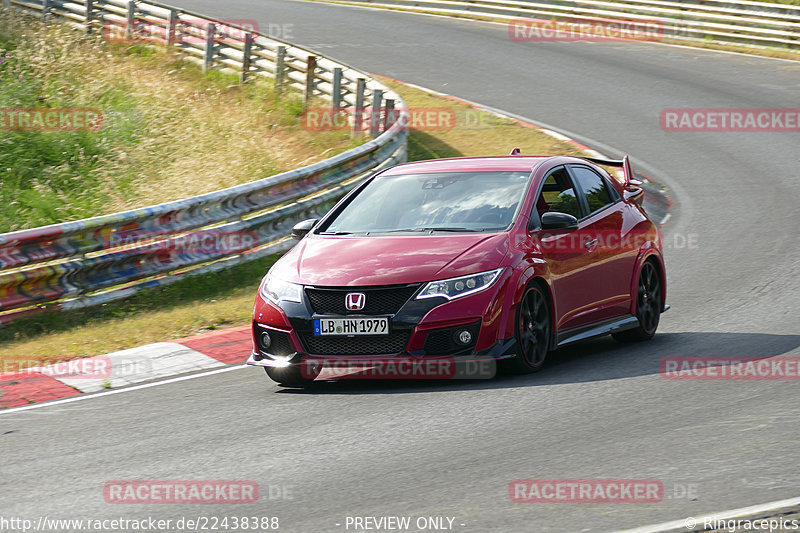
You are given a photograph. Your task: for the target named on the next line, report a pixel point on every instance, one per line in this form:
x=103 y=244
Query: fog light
x=266 y=340
x=464 y=337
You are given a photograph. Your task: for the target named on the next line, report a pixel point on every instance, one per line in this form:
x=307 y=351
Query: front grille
x=439 y=342
x=368 y=345
x=281 y=345
x=443 y=341
x=279 y=342
x=380 y=301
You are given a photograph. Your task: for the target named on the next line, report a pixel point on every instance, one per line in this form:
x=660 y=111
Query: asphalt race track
x=450 y=449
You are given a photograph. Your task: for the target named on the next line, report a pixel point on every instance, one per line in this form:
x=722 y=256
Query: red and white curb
x=126 y=367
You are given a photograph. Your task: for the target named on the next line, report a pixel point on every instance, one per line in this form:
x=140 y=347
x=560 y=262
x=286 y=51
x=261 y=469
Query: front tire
x=648 y=306
x=533 y=333
x=292 y=376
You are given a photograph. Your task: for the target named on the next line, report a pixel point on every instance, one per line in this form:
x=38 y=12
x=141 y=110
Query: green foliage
x=55 y=176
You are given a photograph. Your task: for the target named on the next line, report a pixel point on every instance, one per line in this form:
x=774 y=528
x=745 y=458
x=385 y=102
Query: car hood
x=360 y=261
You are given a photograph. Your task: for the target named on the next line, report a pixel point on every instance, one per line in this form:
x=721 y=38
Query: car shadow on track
x=588 y=361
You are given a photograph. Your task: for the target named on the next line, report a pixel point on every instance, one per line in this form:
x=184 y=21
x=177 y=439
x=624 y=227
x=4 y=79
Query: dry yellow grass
x=111 y=334
x=210 y=137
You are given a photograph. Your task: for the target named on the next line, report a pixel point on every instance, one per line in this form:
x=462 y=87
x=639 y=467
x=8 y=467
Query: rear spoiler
x=625 y=164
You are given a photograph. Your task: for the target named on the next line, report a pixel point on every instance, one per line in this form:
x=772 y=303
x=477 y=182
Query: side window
x=594 y=188
x=558 y=194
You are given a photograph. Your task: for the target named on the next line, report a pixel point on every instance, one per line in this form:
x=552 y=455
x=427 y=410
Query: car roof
x=524 y=163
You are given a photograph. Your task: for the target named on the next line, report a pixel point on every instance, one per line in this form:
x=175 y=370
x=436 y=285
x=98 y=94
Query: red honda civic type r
x=477 y=258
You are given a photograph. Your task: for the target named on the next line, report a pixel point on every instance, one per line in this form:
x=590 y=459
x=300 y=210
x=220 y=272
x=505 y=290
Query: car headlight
x=275 y=290
x=462 y=286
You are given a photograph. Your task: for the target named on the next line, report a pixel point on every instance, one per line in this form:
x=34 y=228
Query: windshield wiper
x=432 y=229
x=470 y=230
x=335 y=232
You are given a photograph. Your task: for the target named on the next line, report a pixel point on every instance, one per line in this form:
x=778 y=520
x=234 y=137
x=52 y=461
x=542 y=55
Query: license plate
x=351 y=326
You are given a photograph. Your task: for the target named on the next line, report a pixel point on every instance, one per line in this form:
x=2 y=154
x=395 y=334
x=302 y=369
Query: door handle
x=590 y=244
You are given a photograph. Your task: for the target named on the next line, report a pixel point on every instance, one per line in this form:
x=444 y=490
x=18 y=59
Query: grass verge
x=168 y=131
x=225 y=299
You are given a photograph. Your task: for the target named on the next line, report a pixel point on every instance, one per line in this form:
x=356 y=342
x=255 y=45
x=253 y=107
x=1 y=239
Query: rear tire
x=648 y=306
x=533 y=333
x=292 y=376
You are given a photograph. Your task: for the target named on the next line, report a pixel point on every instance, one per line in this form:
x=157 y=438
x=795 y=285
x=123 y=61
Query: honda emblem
x=355 y=301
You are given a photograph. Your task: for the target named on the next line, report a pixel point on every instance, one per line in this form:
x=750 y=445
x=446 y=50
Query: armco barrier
x=736 y=21
x=81 y=263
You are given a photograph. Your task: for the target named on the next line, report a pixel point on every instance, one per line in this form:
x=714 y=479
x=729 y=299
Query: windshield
x=446 y=201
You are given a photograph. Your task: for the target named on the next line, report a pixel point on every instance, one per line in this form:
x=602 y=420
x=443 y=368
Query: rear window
x=594 y=188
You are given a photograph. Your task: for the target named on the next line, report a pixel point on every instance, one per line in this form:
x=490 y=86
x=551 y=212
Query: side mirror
x=634 y=193
x=301 y=229
x=555 y=220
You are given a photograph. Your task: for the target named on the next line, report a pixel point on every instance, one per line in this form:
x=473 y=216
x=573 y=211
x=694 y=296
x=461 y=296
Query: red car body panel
x=389 y=260
x=587 y=285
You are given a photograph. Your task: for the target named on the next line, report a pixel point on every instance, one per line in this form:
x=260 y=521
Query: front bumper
x=501 y=350
x=397 y=367
x=427 y=329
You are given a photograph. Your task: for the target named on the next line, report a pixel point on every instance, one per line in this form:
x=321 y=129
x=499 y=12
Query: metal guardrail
x=91 y=261
x=736 y=21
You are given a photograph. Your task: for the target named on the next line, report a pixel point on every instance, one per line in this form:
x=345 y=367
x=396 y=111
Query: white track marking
x=742 y=512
